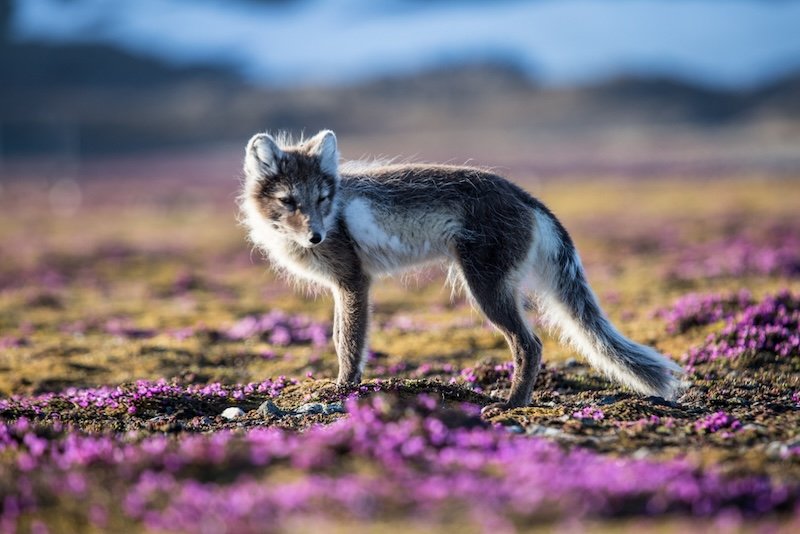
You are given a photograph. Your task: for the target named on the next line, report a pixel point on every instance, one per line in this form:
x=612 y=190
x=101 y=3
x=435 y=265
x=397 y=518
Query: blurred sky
x=562 y=42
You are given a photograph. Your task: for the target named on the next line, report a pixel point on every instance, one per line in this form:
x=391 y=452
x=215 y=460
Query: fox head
x=293 y=186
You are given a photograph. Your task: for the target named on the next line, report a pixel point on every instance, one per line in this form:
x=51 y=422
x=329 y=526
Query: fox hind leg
x=501 y=303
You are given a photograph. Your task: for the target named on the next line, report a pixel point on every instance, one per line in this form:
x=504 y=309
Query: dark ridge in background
x=78 y=101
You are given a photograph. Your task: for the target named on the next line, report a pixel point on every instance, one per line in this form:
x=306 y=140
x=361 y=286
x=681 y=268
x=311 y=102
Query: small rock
x=310 y=408
x=164 y=423
x=641 y=453
x=610 y=399
x=334 y=407
x=775 y=450
x=545 y=431
x=268 y=408
x=234 y=412
x=159 y=419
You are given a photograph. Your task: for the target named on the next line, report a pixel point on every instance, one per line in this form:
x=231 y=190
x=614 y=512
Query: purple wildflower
x=716 y=422
x=740 y=256
x=647 y=423
x=7 y=342
x=590 y=412
x=279 y=329
x=485 y=375
x=697 y=309
x=770 y=326
x=131 y=397
x=124 y=328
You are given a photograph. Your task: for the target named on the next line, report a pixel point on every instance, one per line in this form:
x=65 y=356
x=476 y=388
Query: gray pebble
x=310 y=408
x=775 y=450
x=545 y=431
x=268 y=408
x=234 y=412
x=334 y=407
x=159 y=419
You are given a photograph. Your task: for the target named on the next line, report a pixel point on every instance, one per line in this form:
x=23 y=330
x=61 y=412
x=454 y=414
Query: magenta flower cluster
x=771 y=326
x=716 y=422
x=279 y=328
x=776 y=255
x=123 y=327
x=483 y=376
x=386 y=459
x=130 y=397
x=590 y=412
x=276 y=327
x=698 y=309
x=7 y=342
x=647 y=423
x=406 y=323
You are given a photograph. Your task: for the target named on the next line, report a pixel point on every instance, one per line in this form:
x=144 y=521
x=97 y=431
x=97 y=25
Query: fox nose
x=315 y=238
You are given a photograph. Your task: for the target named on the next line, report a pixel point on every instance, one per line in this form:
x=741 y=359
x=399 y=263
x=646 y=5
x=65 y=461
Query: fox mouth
x=309 y=244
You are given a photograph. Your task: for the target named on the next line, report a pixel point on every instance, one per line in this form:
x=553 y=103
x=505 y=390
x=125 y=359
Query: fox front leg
x=350 y=324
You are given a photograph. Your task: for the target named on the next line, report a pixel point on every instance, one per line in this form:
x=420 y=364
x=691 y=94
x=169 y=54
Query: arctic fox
x=341 y=226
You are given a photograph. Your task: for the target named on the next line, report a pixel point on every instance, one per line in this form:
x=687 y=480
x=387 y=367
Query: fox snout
x=313 y=234
x=315 y=230
x=306 y=229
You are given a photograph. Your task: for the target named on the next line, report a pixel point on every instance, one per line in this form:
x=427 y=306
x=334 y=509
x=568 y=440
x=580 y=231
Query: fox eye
x=288 y=202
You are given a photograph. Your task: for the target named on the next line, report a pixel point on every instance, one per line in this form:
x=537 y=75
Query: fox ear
x=323 y=146
x=262 y=156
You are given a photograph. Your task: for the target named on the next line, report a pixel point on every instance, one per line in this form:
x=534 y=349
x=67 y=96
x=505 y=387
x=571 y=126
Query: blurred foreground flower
x=389 y=459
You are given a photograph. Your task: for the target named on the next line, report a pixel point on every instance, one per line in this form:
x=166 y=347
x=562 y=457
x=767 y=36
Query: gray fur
x=384 y=218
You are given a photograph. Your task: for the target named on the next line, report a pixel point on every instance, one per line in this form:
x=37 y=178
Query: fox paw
x=496 y=408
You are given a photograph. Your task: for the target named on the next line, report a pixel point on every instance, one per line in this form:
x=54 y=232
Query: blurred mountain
x=95 y=99
x=36 y=66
